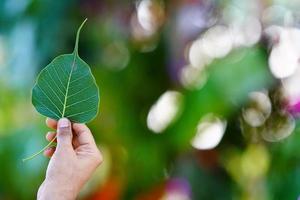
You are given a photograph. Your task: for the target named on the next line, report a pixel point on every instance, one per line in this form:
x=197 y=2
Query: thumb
x=64 y=134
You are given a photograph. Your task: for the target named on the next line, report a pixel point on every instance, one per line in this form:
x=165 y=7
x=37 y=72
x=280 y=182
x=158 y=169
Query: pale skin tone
x=72 y=161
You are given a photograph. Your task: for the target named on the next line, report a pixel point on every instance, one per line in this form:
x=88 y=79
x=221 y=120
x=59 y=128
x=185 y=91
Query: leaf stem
x=77 y=37
x=39 y=152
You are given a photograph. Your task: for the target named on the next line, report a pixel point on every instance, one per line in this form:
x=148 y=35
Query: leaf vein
x=44 y=106
x=80 y=113
x=81 y=101
x=59 y=80
x=53 y=91
x=49 y=99
x=81 y=90
x=79 y=78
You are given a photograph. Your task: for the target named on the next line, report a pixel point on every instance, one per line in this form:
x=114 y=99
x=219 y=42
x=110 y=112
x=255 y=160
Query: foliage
x=170 y=59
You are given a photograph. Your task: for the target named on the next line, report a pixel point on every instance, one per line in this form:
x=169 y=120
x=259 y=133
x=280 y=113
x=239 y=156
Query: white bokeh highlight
x=164 y=111
x=210 y=131
x=284 y=59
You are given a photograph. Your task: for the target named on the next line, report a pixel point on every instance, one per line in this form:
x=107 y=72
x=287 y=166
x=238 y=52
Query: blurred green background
x=199 y=98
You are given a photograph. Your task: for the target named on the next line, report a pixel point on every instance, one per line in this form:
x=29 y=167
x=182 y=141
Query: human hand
x=72 y=162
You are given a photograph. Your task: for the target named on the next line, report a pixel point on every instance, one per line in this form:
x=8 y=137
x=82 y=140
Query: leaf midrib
x=75 y=53
x=68 y=86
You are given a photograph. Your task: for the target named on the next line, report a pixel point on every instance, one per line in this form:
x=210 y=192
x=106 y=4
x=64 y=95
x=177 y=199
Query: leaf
x=67 y=88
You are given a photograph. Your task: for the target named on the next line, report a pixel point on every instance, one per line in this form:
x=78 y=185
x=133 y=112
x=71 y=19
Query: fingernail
x=64 y=123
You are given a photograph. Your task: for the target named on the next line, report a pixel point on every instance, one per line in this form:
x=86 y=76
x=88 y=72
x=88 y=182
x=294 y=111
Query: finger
x=51 y=123
x=50 y=136
x=64 y=134
x=83 y=134
x=49 y=152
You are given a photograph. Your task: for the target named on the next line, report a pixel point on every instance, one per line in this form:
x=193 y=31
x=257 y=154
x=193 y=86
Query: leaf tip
x=77 y=36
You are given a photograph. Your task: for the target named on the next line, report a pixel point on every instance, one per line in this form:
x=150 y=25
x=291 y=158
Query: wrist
x=50 y=190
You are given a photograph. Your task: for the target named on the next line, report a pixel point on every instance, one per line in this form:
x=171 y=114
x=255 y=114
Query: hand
x=72 y=162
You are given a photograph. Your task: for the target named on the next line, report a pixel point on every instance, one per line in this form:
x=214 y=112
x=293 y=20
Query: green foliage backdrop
x=165 y=81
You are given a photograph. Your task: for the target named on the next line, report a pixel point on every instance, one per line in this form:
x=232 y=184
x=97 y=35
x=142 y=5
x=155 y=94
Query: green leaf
x=67 y=88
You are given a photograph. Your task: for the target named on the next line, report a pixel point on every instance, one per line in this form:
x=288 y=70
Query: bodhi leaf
x=67 y=88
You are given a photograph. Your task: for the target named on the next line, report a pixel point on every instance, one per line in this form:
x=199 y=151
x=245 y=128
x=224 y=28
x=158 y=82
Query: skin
x=72 y=162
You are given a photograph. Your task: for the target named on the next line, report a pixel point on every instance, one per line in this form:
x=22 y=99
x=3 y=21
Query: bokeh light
x=150 y=15
x=284 y=57
x=164 y=111
x=119 y=52
x=193 y=78
x=259 y=109
x=217 y=42
x=210 y=131
x=200 y=99
x=177 y=189
x=279 y=127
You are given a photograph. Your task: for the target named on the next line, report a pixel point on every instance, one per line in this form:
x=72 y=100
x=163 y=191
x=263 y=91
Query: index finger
x=84 y=135
x=51 y=123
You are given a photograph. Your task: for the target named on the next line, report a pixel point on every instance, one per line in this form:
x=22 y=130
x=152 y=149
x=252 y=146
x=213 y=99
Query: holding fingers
x=72 y=162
